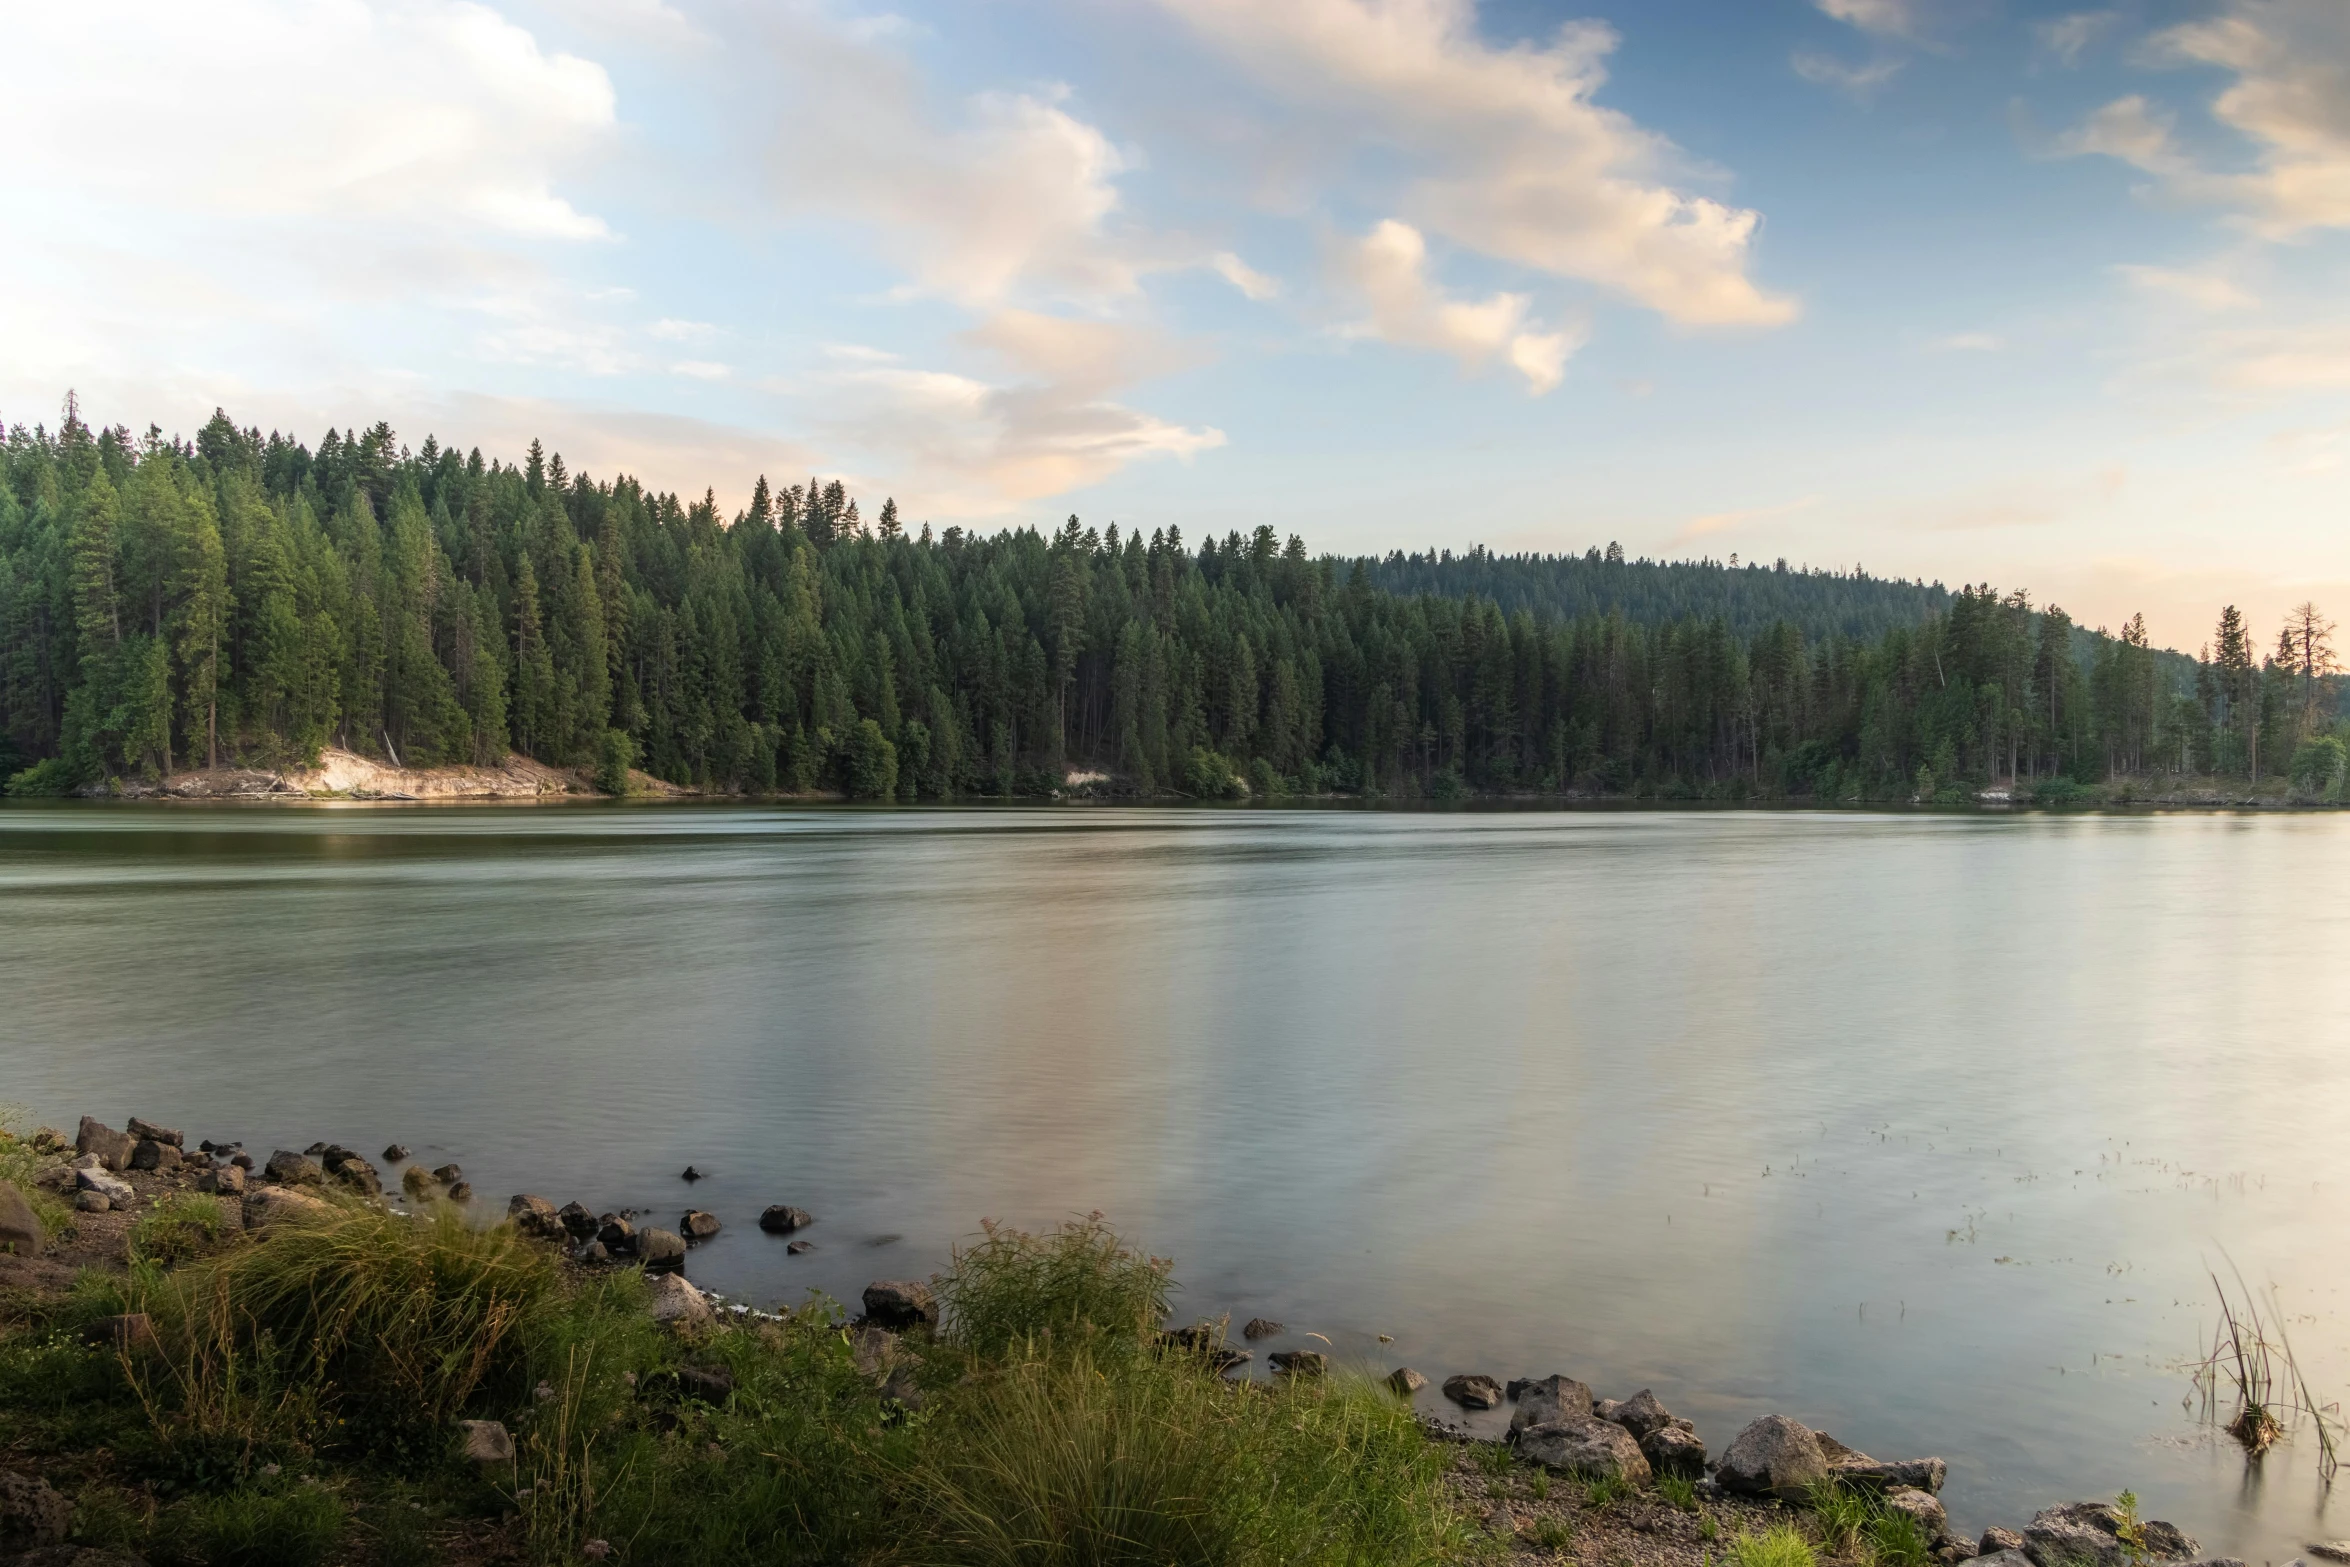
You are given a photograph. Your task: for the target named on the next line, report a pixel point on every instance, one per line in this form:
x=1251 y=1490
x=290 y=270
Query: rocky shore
x=1577 y=1476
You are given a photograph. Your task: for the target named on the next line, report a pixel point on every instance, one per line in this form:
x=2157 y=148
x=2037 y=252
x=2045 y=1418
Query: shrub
x=615 y=755
x=1074 y=1282
x=1209 y=775
x=296 y=1526
x=1778 y=1546
x=2318 y=764
x=47 y=779
x=872 y=763
x=177 y=1229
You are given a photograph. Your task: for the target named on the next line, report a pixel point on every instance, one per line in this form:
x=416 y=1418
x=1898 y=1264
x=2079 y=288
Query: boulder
x=2088 y=1534
x=698 y=1225
x=1996 y=1539
x=2006 y=1556
x=1605 y=1409
x=782 y=1219
x=460 y=1191
x=267 y=1205
x=705 y=1384
x=49 y=1139
x=113 y=1148
x=797 y=1247
x=692 y=1174
x=898 y=1303
x=661 y=1251
x=288 y=1168
x=357 y=1174
x=617 y=1234
x=155 y=1134
x=31 y=1514
x=1642 y=1414
x=577 y=1221
x=447 y=1174
x=1598 y=1449
x=417 y=1182
x=148 y=1154
x=1300 y=1362
x=675 y=1302
x=91 y=1202
x=395 y=1152
x=1547 y=1400
x=486 y=1441
x=20 y=1227
x=1472 y=1390
x=1932 y=1519
x=1775 y=1456
x=241 y=1159
x=1260 y=1327
x=590 y=1252
x=1206 y=1341
x=1672 y=1450
x=1406 y=1381
x=113 y=1188
x=534 y=1216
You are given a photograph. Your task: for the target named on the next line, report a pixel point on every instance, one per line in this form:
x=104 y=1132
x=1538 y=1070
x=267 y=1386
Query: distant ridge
x=1751 y=597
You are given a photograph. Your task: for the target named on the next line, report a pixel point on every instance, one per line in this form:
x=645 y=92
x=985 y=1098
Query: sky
x=2045 y=296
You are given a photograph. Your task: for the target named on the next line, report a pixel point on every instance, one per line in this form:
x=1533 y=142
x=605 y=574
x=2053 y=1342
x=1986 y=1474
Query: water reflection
x=1920 y=1128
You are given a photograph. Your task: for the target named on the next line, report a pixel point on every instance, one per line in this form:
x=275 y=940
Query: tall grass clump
x=19 y=1164
x=288 y=1526
x=1137 y=1461
x=391 y=1324
x=1781 y=1545
x=178 y=1228
x=2263 y=1374
x=1077 y=1282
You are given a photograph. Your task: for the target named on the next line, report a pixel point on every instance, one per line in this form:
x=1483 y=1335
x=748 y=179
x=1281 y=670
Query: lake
x=1924 y=1129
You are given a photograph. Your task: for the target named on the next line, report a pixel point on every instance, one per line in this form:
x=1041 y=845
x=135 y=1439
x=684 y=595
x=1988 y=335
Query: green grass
x=1606 y=1489
x=179 y=1228
x=291 y=1526
x=1551 y=1534
x=1854 y=1521
x=1781 y=1545
x=1077 y=1283
x=1678 y=1491
x=19 y=1164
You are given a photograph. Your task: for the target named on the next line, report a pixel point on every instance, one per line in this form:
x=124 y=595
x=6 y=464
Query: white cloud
x=2290 y=99
x=1970 y=343
x=2066 y=38
x=1888 y=18
x=671 y=330
x=1858 y=80
x=2203 y=290
x=1252 y=283
x=1508 y=154
x=1388 y=270
x=1723 y=521
x=701 y=370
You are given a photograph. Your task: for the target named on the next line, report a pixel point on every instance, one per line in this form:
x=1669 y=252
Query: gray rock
x=577 y=1220
x=357 y=1174
x=395 y=1152
x=487 y=1441
x=698 y=1225
x=155 y=1134
x=1205 y=1340
x=91 y=1202
x=1605 y=1409
x=2005 y=1556
x=798 y=1247
x=534 y=1216
x=1261 y=1327
x=241 y=1159
x=1300 y=1362
x=591 y=1252
x=447 y=1174
x=148 y=1154
x=2088 y=1534
x=677 y=1303
x=418 y=1183
x=901 y=1388
x=1932 y=1519
x=1599 y=1449
x=1548 y=1400
x=31 y=1514
x=2330 y=1550
x=1406 y=1381
x=1670 y=1450
x=289 y=1168
x=898 y=1303
x=113 y=1148
x=617 y=1234
x=267 y=1205
x=661 y=1251
x=1775 y=1456
x=113 y=1188
x=1641 y=1414
x=460 y=1191
x=1996 y=1539
x=782 y=1219
x=1473 y=1390
x=20 y=1227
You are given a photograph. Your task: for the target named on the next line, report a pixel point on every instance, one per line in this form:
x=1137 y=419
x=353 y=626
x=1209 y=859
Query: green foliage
x=2318 y=765
x=872 y=763
x=1606 y=1489
x=48 y=779
x=1209 y=775
x=1855 y=1521
x=1077 y=1283
x=1678 y=1491
x=615 y=755
x=276 y=1526
x=20 y=1165
x=1551 y=1534
x=1781 y=1545
x=178 y=1228
x=1154 y=1461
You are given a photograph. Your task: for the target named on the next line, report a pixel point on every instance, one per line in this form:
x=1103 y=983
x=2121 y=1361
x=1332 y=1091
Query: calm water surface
x=1922 y=1129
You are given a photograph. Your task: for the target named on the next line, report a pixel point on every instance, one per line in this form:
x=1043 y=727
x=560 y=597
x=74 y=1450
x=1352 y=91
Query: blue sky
x=2044 y=295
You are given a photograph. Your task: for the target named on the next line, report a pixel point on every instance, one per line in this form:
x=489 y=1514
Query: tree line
x=244 y=599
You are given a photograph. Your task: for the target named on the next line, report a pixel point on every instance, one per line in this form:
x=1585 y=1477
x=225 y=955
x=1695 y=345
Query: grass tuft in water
x=1078 y=1283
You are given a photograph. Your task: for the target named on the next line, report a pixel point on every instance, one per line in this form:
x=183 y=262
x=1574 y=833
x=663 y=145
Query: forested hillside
x=240 y=598
x=1751 y=598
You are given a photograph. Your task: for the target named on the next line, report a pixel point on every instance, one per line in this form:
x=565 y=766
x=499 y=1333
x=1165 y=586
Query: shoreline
x=1603 y=1481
